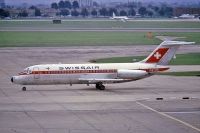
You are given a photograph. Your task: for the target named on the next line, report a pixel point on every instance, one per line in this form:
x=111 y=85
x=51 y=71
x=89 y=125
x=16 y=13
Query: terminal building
x=2 y=3
x=179 y=11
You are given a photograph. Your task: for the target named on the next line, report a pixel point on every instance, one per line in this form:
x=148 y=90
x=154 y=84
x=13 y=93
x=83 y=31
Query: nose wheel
x=100 y=86
x=23 y=88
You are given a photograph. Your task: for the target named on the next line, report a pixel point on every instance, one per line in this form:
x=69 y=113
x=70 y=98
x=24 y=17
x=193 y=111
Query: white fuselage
x=85 y=73
x=120 y=17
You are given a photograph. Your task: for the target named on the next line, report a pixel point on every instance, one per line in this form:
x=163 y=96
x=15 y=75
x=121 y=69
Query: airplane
x=186 y=16
x=123 y=18
x=100 y=74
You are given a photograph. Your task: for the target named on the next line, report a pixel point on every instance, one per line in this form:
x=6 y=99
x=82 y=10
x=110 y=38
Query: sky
x=47 y=2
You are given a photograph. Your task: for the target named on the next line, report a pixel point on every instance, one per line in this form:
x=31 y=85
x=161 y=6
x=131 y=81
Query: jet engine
x=132 y=74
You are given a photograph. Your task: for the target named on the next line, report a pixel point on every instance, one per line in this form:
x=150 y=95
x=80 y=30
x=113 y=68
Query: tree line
x=143 y=11
x=65 y=4
x=72 y=8
x=4 y=13
x=66 y=8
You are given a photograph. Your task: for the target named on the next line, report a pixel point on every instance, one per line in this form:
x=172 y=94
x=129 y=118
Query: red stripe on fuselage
x=155 y=69
x=71 y=72
x=89 y=71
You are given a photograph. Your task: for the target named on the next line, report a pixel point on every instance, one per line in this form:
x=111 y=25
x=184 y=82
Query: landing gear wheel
x=100 y=86
x=23 y=88
x=97 y=86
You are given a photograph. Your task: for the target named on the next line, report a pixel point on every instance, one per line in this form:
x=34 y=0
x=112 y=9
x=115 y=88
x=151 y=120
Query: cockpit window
x=25 y=71
x=28 y=70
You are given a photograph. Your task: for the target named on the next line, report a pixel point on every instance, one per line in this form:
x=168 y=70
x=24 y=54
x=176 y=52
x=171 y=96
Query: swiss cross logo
x=157 y=55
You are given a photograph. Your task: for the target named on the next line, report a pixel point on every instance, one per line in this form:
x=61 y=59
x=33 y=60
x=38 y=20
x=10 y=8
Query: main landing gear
x=100 y=86
x=23 y=88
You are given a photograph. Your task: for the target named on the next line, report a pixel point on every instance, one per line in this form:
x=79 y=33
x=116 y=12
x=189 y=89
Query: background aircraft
x=187 y=16
x=123 y=18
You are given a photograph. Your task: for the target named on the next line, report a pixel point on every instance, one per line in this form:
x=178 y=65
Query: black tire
x=102 y=87
x=97 y=86
x=23 y=88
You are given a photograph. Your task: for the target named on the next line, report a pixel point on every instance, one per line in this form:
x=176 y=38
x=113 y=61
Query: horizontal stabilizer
x=176 y=43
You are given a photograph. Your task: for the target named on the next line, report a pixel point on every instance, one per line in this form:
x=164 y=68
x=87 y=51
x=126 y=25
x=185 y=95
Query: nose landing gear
x=100 y=86
x=23 y=88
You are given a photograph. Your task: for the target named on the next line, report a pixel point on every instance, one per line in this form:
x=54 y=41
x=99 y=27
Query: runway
x=105 y=19
x=102 y=24
x=21 y=29
x=128 y=107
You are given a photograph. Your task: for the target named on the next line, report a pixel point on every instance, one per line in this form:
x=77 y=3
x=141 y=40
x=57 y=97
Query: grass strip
x=181 y=59
x=83 y=38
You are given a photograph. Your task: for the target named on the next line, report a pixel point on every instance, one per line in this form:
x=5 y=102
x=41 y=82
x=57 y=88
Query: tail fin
x=164 y=52
x=114 y=14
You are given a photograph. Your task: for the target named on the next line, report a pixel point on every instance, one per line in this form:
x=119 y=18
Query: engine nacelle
x=132 y=74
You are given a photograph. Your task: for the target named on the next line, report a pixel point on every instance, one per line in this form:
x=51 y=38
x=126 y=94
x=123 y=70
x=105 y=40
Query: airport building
x=2 y=3
x=179 y=11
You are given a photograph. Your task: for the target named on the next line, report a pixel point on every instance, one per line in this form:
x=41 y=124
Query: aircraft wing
x=93 y=80
x=123 y=20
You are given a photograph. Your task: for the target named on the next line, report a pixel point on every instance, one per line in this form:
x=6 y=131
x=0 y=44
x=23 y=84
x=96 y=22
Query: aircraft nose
x=12 y=80
x=17 y=79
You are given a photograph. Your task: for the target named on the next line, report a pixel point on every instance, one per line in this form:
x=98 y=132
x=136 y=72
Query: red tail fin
x=157 y=55
x=164 y=52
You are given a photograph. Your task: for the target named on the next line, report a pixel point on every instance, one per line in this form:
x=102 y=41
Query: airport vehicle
x=99 y=74
x=123 y=18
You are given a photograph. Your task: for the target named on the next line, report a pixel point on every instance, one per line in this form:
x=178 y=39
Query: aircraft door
x=36 y=73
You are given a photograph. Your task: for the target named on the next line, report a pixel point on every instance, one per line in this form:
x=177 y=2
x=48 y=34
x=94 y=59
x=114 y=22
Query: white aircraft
x=187 y=16
x=99 y=74
x=123 y=18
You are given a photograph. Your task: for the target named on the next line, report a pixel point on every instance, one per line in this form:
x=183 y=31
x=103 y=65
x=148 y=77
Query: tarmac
x=156 y=104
